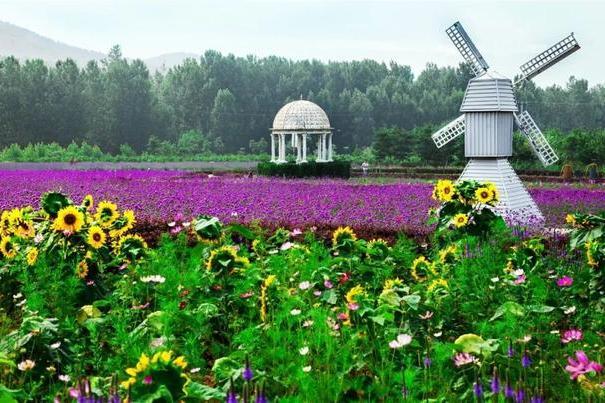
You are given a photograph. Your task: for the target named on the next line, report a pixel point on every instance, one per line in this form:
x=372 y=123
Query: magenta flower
x=148 y=380
x=571 y=335
x=520 y=279
x=581 y=365
x=565 y=281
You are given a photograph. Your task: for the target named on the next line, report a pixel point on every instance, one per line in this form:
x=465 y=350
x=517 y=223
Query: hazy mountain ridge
x=25 y=44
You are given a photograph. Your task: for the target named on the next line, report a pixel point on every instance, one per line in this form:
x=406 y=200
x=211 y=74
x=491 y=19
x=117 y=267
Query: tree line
x=230 y=102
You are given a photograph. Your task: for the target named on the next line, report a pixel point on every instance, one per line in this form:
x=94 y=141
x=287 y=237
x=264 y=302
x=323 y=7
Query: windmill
x=489 y=110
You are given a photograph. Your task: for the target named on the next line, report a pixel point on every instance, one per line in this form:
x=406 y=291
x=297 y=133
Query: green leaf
x=412 y=300
x=540 y=308
x=87 y=312
x=472 y=343
x=196 y=392
x=509 y=307
x=225 y=367
x=329 y=297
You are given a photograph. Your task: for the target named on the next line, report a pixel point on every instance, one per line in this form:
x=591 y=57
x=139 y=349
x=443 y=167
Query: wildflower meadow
x=224 y=308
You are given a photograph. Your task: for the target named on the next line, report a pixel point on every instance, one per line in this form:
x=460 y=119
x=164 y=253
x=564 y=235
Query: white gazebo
x=301 y=120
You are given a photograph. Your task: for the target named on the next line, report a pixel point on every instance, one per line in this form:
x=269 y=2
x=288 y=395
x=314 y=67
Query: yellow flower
x=444 y=254
x=107 y=213
x=5 y=222
x=223 y=253
x=7 y=248
x=441 y=283
x=143 y=363
x=269 y=280
x=132 y=372
x=32 y=256
x=128 y=383
x=162 y=356
x=82 y=269
x=460 y=220
x=391 y=283
x=96 y=237
x=88 y=202
x=570 y=219
x=180 y=362
x=263 y=302
x=138 y=238
x=342 y=234
x=353 y=293
x=445 y=190
x=421 y=263
x=589 y=257
x=483 y=195
x=69 y=219
x=493 y=190
x=128 y=223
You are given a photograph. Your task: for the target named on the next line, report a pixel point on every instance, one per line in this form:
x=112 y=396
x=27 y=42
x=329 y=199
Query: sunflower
x=7 y=248
x=494 y=191
x=445 y=254
x=88 y=202
x=351 y=296
x=343 y=234
x=131 y=246
x=460 y=220
x=437 y=283
x=445 y=190
x=82 y=269
x=125 y=224
x=5 y=223
x=96 y=237
x=389 y=284
x=484 y=195
x=421 y=268
x=25 y=229
x=32 y=256
x=223 y=257
x=69 y=219
x=589 y=256
x=107 y=213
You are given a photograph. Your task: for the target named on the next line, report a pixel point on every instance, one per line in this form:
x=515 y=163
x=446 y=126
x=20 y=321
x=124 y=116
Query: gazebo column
x=282 y=148
x=329 y=146
x=272 y=147
x=304 y=147
x=324 y=149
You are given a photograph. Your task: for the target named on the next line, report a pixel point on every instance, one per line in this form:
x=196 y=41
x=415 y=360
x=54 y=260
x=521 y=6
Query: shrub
x=333 y=169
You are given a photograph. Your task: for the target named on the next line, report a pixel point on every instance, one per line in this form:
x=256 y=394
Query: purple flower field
x=160 y=195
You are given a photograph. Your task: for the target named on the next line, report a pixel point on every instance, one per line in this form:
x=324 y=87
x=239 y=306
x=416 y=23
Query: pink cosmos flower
x=148 y=380
x=461 y=359
x=571 y=335
x=328 y=284
x=353 y=306
x=581 y=365
x=520 y=279
x=565 y=281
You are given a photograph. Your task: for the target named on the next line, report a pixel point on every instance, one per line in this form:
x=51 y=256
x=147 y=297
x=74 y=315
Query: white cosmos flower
x=64 y=378
x=56 y=345
x=305 y=285
x=295 y=312
x=307 y=368
x=26 y=365
x=402 y=340
x=153 y=279
x=286 y=245
x=304 y=350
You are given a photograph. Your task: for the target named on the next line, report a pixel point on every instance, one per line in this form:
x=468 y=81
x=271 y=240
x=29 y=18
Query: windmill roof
x=488 y=93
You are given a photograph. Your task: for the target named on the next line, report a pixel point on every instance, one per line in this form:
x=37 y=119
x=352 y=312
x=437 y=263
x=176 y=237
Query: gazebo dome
x=301 y=115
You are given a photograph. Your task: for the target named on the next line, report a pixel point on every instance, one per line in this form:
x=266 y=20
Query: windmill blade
x=538 y=142
x=467 y=48
x=449 y=132
x=549 y=57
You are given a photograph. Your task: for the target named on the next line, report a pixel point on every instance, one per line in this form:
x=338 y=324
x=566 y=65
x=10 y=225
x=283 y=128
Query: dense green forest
x=231 y=101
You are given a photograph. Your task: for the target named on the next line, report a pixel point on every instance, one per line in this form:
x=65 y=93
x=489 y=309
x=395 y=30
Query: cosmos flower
x=571 y=335
x=581 y=365
x=565 y=281
x=461 y=359
x=26 y=365
x=400 y=341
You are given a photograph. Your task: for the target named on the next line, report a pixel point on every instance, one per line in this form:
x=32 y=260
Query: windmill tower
x=489 y=111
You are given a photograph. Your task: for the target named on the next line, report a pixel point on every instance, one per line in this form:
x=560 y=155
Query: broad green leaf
x=509 y=307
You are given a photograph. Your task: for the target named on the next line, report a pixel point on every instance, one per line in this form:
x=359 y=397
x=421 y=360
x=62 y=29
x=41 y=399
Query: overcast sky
x=507 y=33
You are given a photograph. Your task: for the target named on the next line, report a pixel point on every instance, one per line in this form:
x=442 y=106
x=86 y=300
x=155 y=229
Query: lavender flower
x=427 y=361
x=495 y=383
x=525 y=360
x=509 y=392
x=247 y=374
x=478 y=389
x=520 y=395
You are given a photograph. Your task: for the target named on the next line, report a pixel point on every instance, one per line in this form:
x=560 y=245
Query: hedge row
x=333 y=169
